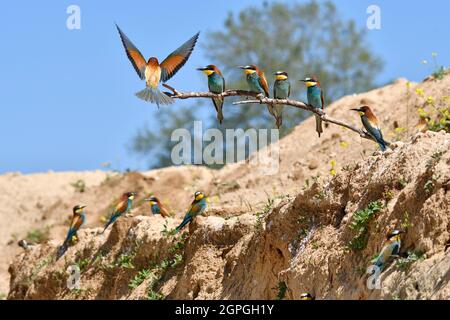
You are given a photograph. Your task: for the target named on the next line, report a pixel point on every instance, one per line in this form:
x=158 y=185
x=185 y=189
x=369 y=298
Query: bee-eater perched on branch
x=157 y=207
x=257 y=82
x=153 y=72
x=216 y=84
x=197 y=207
x=391 y=248
x=122 y=207
x=78 y=219
x=315 y=99
x=370 y=122
x=281 y=90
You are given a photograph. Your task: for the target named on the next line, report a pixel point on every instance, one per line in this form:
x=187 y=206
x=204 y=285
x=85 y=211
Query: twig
x=263 y=100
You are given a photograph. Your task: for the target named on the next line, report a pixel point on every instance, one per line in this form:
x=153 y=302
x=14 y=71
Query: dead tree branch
x=263 y=100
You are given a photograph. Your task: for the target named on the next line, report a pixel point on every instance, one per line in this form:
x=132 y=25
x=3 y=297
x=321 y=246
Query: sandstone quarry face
x=299 y=242
x=262 y=237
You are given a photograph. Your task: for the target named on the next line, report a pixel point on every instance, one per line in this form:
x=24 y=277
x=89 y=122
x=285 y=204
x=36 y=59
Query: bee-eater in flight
x=78 y=219
x=216 y=84
x=157 y=207
x=370 y=123
x=121 y=208
x=257 y=82
x=391 y=248
x=281 y=90
x=315 y=99
x=197 y=207
x=153 y=72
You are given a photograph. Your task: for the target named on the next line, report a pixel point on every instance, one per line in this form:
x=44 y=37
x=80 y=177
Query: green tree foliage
x=303 y=39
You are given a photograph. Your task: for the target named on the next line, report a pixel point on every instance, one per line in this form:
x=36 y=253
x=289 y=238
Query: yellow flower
x=333 y=172
x=430 y=100
x=420 y=92
x=344 y=144
x=333 y=162
x=422 y=113
x=408 y=85
x=400 y=130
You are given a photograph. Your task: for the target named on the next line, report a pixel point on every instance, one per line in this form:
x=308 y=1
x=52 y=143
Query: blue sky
x=67 y=96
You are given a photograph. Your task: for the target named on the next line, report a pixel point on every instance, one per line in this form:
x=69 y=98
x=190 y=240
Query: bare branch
x=263 y=100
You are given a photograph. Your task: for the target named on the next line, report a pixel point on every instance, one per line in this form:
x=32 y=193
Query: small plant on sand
x=168 y=232
x=82 y=263
x=360 y=223
x=261 y=214
x=156 y=271
x=125 y=260
x=79 y=185
x=139 y=278
x=281 y=289
x=388 y=194
x=404 y=263
x=37 y=236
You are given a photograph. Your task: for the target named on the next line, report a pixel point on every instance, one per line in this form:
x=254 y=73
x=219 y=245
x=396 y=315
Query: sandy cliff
x=262 y=236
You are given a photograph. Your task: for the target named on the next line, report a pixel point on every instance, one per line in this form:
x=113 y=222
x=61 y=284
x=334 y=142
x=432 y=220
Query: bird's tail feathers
x=153 y=95
x=319 y=128
x=382 y=145
x=61 y=250
x=184 y=223
x=218 y=103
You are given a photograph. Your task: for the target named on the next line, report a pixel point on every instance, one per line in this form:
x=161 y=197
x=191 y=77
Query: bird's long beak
x=202 y=69
x=357 y=110
x=241 y=67
x=82 y=207
x=303 y=80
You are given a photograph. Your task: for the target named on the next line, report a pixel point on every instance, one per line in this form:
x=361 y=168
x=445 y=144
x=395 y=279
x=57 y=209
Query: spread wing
x=134 y=55
x=177 y=59
x=264 y=84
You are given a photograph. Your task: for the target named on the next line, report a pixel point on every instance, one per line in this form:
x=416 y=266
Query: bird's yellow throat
x=281 y=77
x=249 y=71
x=199 y=197
x=310 y=84
x=208 y=72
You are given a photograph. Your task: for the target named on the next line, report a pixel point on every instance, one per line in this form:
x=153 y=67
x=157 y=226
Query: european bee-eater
x=315 y=99
x=281 y=90
x=122 y=207
x=391 y=248
x=257 y=82
x=153 y=72
x=306 y=296
x=216 y=84
x=157 y=207
x=370 y=122
x=197 y=207
x=78 y=219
